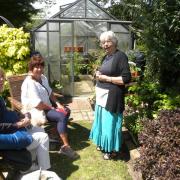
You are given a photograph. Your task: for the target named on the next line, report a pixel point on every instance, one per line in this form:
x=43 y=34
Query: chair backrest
x=15 y=82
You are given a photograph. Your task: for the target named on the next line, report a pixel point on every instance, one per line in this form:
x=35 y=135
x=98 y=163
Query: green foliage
x=156 y=26
x=127 y=10
x=83 y=65
x=78 y=64
x=160 y=147
x=133 y=123
x=18 y=12
x=14 y=48
x=95 y=60
x=56 y=85
x=161 y=36
x=148 y=99
x=5 y=92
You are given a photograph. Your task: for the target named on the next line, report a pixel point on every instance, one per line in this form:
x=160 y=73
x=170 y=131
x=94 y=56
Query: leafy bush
x=133 y=123
x=148 y=99
x=160 y=147
x=14 y=48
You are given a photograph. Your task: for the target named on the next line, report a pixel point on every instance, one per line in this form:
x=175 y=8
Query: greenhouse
x=70 y=37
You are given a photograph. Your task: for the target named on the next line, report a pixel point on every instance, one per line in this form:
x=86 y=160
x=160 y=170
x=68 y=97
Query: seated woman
x=13 y=140
x=37 y=97
x=15 y=134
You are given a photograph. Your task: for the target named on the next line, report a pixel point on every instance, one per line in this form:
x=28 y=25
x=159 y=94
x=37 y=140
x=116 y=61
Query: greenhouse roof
x=83 y=10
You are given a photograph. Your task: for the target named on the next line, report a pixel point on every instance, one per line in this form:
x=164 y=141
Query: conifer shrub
x=159 y=151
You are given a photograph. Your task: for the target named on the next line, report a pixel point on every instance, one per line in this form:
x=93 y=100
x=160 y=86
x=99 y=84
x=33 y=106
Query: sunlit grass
x=91 y=165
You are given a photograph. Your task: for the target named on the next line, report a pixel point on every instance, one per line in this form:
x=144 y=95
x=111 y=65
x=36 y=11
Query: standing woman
x=111 y=78
x=37 y=97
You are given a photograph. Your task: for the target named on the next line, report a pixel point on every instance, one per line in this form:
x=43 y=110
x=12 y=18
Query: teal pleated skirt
x=106 y=130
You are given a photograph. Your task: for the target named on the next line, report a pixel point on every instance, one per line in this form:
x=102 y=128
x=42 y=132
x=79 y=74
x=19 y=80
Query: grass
x=90 y=166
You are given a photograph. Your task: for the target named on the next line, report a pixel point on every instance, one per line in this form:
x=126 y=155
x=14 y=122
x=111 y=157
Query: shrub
x=160 y=147
x=14 y=49
x=133 y=123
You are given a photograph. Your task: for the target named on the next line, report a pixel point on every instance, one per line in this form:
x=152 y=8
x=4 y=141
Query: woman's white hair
x=109 y=35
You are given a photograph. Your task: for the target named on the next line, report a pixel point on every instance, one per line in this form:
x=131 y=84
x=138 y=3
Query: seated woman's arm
x=55 y=101
x=6 y=128
x=43 y=106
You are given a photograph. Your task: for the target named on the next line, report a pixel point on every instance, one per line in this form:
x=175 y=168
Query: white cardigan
x=32 y=93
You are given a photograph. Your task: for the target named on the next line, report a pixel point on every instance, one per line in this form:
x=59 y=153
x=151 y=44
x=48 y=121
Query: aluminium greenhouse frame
x=72 y=31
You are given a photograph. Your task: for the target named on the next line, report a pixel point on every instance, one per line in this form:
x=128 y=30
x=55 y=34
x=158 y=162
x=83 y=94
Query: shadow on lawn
x=78 y=136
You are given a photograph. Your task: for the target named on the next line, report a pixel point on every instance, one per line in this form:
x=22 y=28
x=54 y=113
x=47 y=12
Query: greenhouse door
x=66 y=58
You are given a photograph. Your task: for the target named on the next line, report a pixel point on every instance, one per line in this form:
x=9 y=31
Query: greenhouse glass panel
x=124 y=42
x=119 y=28
x=123 y=35
x=43 y=28
x=54 y=44
x=86 y=34
x=66 y=29
x=95 y=12
x=90 y=28
x=41 y=46
x=41 y=42
x=77 y=11
x=53 y=26
x=66 y=61
x=54 y=55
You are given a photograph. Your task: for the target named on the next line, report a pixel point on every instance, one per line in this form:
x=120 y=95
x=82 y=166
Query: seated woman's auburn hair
x=35 y=61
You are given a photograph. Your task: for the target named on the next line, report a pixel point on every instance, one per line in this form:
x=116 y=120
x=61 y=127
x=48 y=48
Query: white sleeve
x=30 y=93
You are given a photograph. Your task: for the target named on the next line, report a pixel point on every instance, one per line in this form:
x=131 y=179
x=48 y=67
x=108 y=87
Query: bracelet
x=111 y=79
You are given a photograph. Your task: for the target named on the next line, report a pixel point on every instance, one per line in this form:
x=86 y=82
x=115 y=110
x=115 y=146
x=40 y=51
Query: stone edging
x=134 y=154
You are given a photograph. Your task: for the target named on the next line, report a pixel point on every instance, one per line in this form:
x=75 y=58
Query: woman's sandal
x=109 y=156
x=98 y=148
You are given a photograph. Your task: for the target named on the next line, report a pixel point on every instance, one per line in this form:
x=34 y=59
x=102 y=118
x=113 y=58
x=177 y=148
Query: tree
x=127 y=10
x=159 y=26
x=160 y=33
x=18 y=12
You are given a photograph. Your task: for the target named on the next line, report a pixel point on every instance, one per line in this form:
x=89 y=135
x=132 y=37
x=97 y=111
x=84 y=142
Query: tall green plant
x=14 y=48
x=160 y=24
x=157 y=26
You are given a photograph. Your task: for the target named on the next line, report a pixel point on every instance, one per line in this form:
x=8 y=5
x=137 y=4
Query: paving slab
x=81 y=109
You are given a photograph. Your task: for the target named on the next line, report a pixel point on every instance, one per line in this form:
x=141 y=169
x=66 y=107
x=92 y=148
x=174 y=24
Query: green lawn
x=90 y=166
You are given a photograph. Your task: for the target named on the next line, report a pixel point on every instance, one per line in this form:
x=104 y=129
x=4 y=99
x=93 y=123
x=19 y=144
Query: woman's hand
x=104 y=78
x=23 y=123
x=98 y=73
x=60 y=106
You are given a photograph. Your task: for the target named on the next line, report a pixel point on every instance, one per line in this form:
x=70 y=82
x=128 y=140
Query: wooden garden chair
x=15 y=83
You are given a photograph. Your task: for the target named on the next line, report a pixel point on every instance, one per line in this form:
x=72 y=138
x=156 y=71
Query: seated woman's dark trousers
x=60 y=118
